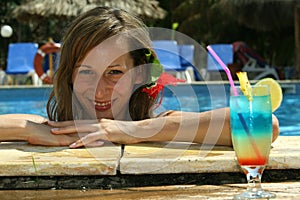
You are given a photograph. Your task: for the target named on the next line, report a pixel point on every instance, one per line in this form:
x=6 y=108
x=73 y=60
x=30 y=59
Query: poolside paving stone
x=21 y=159
x=162 y=158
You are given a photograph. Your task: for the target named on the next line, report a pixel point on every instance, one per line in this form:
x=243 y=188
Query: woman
x=105 y=89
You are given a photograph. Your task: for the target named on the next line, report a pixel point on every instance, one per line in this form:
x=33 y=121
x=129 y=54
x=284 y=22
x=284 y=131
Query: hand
x=95 y=133
x=40 y=134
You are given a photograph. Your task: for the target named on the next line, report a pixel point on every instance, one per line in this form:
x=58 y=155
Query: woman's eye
x=115 y=72
x=86 y=72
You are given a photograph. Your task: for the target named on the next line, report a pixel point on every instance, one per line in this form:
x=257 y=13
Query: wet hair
x=84 y=33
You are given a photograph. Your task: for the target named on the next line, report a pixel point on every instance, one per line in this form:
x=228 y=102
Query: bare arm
x=211 y=127
x=12 y=129
x=15 y=126
x=34 y=118
x=30 y=128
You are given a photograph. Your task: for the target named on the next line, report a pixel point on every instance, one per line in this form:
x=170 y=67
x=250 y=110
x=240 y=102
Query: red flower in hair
x=153 y=90
x=163 y=80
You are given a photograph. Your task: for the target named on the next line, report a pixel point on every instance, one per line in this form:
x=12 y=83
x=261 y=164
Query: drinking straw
x=213 y=53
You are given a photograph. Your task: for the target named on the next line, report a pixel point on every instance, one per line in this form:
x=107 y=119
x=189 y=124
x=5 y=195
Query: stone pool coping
x=24 y=166
x=22 y=159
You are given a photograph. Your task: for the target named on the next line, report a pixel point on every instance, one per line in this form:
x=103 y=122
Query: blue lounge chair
x=186 y=52
x=168 y=54
x=253 y=65
x=225 y=53
x=20 y=60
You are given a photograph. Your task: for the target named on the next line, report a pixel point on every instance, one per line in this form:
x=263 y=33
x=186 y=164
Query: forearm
x=214 y=127
x=30 y=117
x=13 y=129
x=210 y=127
x=32 y=132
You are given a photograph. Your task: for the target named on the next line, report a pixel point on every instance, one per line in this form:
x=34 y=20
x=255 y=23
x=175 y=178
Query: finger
x=88 y=139
x=71 y=123
x=76 y=144
x=82 y=128
x=61 y=124
x=79 y=143
x=97 y=143
x=64 y=130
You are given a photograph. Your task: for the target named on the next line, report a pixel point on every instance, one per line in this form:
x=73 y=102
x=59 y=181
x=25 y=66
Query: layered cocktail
x=251 y=128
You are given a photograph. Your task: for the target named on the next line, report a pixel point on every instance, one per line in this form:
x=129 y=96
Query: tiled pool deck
x=24 y=166
x=21 y=159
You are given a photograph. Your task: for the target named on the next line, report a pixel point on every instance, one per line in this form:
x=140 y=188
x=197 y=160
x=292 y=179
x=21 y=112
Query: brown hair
x=85 y=32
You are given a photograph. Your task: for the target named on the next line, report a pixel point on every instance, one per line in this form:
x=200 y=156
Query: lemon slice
x=275 y=91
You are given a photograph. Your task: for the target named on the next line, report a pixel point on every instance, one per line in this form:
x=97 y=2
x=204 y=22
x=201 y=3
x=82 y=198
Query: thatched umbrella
x=34 y=10
x=263 y=15
x=268 y=15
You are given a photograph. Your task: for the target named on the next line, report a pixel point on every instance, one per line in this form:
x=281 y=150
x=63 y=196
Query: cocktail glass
x=251 y=131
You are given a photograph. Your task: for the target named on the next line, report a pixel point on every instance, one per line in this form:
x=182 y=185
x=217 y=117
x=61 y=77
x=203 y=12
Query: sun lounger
x=241 y=58
x=168 y=54
x=20 y=62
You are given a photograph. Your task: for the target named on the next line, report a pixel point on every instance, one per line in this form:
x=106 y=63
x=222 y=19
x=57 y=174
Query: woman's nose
x=103 y=88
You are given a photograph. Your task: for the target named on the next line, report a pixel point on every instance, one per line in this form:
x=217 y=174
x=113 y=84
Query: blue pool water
x=181 y=97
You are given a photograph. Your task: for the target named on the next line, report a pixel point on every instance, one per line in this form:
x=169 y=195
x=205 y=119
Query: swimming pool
x=186 y=97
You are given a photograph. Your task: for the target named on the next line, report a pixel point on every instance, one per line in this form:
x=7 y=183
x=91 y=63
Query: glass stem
x=254 y=178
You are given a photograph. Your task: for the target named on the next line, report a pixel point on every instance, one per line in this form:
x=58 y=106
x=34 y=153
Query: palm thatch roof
x=36 y=9
x=263 y=15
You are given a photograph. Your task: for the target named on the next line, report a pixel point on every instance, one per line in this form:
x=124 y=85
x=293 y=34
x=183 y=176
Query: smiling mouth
x=101 y=106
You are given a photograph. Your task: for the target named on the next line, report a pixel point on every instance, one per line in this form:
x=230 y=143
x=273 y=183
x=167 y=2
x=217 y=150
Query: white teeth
x=102 y=104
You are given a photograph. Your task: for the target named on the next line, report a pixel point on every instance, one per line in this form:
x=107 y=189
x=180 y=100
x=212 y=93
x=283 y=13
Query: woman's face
x=104 y=80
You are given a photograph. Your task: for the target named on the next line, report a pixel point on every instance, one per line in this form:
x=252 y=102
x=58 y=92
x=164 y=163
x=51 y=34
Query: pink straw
x=213 y=53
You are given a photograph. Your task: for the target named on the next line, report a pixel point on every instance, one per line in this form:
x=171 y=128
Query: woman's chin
x=104 y=116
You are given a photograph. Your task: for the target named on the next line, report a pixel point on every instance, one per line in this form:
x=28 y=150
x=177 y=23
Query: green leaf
x=175 y=25
x=156 y=70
